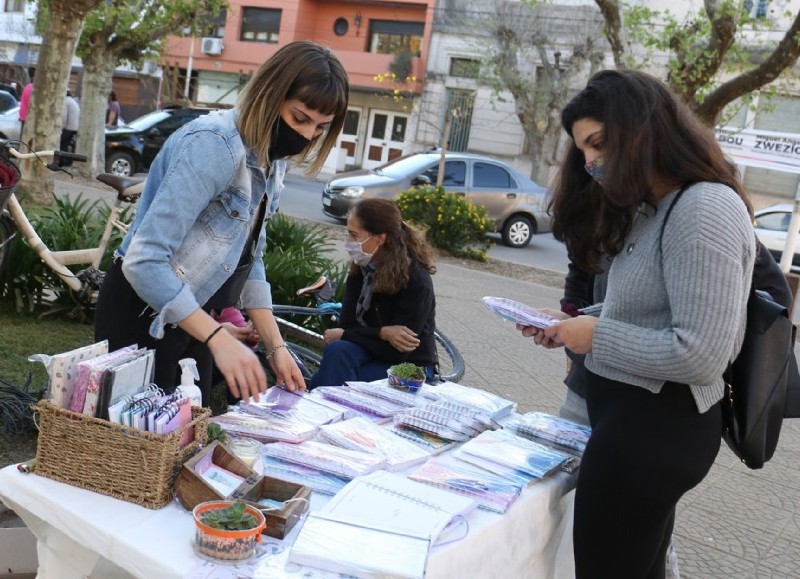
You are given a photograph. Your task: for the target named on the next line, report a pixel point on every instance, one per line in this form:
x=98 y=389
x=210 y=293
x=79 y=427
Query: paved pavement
x=737 y=524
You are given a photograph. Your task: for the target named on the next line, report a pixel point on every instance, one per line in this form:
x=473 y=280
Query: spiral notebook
x=379 y=525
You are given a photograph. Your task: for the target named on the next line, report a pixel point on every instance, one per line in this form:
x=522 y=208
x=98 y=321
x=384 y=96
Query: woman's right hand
x=538 y=334
x=241 y=368
x=402 y=338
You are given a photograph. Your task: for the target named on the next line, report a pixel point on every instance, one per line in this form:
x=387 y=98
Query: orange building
x=372 y=39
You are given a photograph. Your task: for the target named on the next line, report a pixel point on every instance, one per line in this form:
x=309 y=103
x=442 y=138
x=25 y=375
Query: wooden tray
x=192 y=490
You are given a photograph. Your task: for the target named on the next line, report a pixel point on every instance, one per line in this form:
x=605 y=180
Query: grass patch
x=24 y=335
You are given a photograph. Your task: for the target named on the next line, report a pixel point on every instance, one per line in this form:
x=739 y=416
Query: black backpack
x=757 y=382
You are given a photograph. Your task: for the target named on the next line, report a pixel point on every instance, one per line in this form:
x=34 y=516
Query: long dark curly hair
x=650 y=136
x=404 y=246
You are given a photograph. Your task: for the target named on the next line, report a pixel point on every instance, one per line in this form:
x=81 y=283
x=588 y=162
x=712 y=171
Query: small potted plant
x=227 y=530
x=406 y=376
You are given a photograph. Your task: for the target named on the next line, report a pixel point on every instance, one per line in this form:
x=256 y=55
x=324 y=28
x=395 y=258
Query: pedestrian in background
x=112 y=111
x=672 y=319
x=24 y=105
x=70 y=121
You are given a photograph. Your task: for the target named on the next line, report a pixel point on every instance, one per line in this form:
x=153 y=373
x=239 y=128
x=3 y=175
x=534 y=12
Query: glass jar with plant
x=227 y=530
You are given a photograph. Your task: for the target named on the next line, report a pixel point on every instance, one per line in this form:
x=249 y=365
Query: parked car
x=9 y=124
x=7 y=101
x=515 y=203
x=772 y=225
x=132 y=147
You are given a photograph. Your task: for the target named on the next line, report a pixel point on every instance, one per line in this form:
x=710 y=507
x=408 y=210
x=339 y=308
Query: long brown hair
x=303 y=70
x=649 y=135
x=403 y=249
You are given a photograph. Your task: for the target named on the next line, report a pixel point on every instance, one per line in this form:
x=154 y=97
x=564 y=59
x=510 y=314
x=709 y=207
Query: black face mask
x=286 y=142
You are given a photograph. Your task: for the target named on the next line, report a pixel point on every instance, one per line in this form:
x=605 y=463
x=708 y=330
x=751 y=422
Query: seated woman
x=388 y=306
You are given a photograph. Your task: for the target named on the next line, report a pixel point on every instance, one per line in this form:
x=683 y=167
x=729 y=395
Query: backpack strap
x=669 y=210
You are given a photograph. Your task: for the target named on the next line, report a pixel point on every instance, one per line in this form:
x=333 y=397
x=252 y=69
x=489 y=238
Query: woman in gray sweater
x=673 y=315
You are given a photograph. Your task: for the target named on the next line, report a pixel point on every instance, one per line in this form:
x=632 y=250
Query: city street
x=302 y=198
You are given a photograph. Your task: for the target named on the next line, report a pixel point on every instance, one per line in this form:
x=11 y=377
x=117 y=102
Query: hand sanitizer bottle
x=188 y=387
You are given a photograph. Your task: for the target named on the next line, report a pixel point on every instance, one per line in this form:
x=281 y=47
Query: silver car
x=9 y=124
x=516 y=204
x=772 y=227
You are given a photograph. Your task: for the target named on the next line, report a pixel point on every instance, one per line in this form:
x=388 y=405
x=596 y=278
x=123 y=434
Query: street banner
x=764 y=149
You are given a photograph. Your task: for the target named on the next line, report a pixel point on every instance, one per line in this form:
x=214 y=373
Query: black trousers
x=123 y=318
x=67 y=145
x=646 y=450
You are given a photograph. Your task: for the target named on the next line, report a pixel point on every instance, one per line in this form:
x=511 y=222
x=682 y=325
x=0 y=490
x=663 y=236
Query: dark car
x=516 y=204
x=132 y=147
x=7 y=101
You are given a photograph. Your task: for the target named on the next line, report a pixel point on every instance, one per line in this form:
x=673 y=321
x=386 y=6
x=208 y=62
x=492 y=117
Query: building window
x=391 y=37
x=14 y=6
x=464 y=67
x=756 y=8
x=214 y=26
x=260 y=24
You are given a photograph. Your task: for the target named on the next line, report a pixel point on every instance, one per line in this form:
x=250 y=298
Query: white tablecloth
x=85 y=534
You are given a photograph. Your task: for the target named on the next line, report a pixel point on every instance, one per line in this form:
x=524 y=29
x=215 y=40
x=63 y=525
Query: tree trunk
x=98 y=69
x=65 y=21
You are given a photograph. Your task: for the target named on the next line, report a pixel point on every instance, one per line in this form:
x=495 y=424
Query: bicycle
x=85 y=284
x=450 y=365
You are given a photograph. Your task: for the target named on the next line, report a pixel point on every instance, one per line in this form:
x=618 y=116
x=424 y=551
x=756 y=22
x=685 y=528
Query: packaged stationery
x=333 y=459
x=365 y=403
x=511 y=451
x=267 y=428
x=361 y=434
x=313 y=478
x=492 y=492
x=492 y=404
x=63 y=370
x=552 y=430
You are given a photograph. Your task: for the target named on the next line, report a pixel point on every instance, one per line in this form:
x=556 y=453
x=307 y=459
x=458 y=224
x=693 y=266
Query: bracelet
x=274 y=349
x=211 y=335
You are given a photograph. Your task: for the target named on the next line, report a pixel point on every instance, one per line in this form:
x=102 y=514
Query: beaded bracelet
x=274 y=349
x=211 y=335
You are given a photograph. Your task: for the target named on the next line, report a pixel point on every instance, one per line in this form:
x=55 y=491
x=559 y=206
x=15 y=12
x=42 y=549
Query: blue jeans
x=345 y=361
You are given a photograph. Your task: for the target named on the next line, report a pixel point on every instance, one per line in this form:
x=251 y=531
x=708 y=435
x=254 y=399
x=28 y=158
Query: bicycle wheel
x=451 y=363
x=7 y=232
x=307 y=360
x=296 y=327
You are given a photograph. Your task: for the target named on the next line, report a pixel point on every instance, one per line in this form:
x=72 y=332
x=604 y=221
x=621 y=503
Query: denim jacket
x=194 y=218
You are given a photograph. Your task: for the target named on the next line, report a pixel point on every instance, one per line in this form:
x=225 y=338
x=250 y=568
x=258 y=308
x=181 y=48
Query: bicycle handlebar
x=8 y=149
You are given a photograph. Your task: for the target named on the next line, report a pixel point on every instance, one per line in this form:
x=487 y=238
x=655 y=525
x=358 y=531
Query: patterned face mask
x=595 y=169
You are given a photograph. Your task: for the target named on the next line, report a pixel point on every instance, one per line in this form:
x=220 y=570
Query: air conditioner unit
x=211 y=45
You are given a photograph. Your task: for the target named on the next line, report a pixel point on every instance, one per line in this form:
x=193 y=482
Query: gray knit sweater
x=683 y=321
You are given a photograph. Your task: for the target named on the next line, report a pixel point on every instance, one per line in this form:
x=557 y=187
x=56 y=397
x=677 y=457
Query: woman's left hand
x=575 y=333
x=286 y=370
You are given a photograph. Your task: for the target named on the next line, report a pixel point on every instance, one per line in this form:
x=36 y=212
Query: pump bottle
x=188 y=376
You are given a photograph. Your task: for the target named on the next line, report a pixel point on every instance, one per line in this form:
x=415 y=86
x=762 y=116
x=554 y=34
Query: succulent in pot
x=227 y=530
x=406 y=376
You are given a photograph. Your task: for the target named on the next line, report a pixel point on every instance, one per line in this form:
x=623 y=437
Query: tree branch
x=613 y=29
x=784 y=56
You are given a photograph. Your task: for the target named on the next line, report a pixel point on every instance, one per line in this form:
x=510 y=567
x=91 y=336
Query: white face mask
x=355 y=250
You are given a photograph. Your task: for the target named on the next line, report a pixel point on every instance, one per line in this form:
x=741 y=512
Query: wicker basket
x=115 y=460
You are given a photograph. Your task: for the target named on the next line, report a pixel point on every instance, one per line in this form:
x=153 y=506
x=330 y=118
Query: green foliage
x=140 y=30
x=407 y=370
x=23 y=336
x=232 y=518
x=401 y=65
x=450 y=222
x=215 y=432
x=296 y=255
x=67 y=225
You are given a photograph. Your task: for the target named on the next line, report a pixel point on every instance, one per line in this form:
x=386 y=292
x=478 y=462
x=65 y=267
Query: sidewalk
x=738 y=523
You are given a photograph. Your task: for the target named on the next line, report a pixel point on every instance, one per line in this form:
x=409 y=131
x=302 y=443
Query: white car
x=771 y=225
x=9 y=124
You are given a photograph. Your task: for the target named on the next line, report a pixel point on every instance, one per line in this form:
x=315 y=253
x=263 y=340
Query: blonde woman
x=198 y=238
